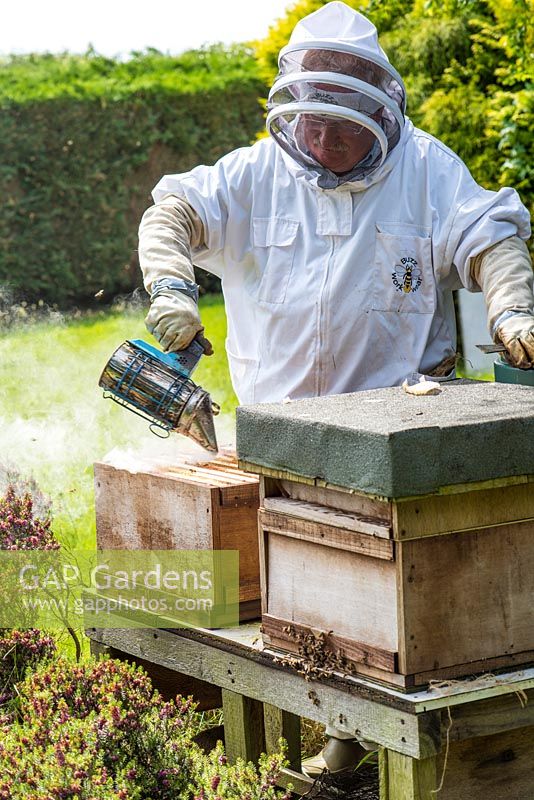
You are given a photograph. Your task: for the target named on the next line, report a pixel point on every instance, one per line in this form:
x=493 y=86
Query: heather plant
x=99 y=725
x=19 y=651
x=20 y=528
x=99 y=730
x=70 y=765
x=218 y=779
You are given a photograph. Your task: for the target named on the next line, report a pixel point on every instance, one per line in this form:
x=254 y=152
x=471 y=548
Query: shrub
x=20 y=651
x=99 y=731
x=20 y=528
x=98 y=724
x=216 y=778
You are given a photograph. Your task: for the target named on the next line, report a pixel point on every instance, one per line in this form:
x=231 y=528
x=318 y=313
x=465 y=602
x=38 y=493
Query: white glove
x=504 y=273
x=174 y=320
x=516 y=332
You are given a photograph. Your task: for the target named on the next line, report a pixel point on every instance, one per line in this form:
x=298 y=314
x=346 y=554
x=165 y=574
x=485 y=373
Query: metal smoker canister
x=157 y=387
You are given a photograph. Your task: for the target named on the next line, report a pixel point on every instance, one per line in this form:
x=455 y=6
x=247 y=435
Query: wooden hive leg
x=281 y=724
x=243 y=726
x=406 y=778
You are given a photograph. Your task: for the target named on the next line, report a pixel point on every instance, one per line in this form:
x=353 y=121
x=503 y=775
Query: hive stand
x=471 y=740
x=425 y=504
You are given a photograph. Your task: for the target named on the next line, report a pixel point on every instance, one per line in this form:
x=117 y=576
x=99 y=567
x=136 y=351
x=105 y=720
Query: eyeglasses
x=316 y=124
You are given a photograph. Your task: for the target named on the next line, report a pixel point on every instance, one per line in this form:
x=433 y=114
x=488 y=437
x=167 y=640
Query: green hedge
x=85 y=139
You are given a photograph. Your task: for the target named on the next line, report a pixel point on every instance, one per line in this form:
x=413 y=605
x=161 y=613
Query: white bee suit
x=336 y=284
x=332 y=291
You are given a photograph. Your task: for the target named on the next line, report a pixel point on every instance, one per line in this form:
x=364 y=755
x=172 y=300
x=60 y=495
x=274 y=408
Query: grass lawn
x=54 y=422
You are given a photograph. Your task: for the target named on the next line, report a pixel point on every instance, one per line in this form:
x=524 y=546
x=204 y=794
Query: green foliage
x=217 y=779
x=19 y=651
x=32 y=78
x=267 y=49
x=86 y=138
x=96 y=725
x=99 y=731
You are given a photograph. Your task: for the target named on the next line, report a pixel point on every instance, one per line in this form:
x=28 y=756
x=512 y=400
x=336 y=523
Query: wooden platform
x=472 y=740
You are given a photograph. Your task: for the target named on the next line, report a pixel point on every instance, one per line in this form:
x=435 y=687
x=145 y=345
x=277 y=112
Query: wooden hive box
x=186 y=506
x=403 y=589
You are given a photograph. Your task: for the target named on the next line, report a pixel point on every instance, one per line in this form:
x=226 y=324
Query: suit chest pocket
x=274 y=240
x=403 y=272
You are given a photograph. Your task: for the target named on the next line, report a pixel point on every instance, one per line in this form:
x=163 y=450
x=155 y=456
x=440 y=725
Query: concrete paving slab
x=389 y=443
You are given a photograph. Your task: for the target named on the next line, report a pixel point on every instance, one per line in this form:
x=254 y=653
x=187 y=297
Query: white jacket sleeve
x=504 y=273
x=168 y=232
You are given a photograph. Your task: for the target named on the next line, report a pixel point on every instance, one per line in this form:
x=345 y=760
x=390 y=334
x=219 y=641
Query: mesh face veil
x=337 y=105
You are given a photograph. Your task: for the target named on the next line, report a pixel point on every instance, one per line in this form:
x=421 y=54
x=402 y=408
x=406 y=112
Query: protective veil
x=335 y=81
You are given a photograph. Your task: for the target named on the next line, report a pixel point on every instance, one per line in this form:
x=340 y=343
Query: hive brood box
x=399 y=528
x=187 y=506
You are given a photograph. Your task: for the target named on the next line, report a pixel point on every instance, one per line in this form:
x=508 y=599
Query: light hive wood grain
x=185 y=506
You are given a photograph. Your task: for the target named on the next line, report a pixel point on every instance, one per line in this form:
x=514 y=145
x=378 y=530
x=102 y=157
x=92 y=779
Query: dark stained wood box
x=407 y=590
x=186 y=506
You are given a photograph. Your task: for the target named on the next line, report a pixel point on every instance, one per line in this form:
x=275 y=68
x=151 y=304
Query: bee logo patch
x=407 y=276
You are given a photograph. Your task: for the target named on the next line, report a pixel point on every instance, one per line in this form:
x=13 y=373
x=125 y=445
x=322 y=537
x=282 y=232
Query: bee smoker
x=157 y=386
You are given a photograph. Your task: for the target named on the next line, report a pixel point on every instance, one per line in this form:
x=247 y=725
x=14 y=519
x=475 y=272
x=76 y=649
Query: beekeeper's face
x=338 y=145
x=335 y=112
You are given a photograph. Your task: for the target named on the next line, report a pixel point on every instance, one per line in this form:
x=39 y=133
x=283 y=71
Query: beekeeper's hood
x=335 y=76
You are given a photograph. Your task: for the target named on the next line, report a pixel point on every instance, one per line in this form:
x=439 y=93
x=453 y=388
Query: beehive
x=399 y=528
x=183 y=506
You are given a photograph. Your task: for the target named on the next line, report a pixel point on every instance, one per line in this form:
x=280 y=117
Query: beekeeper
x=339 y=239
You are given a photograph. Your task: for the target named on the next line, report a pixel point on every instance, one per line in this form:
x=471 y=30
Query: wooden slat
x=300 y=783
x=327 y=535
x=240 y=495
x=410 y=779
x=346 y=500
x=263 y=544
x=213 y=476
x=383 y=775
x=441 y=514
x=276 y=631
x=496 y=767
x=487 y=717
x=278 y=725
x=238 y=530
x=258 y=469
x=326 y=515
x=473 y=668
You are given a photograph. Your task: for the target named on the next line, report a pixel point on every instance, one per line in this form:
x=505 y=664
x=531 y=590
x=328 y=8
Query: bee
x=407 y=275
